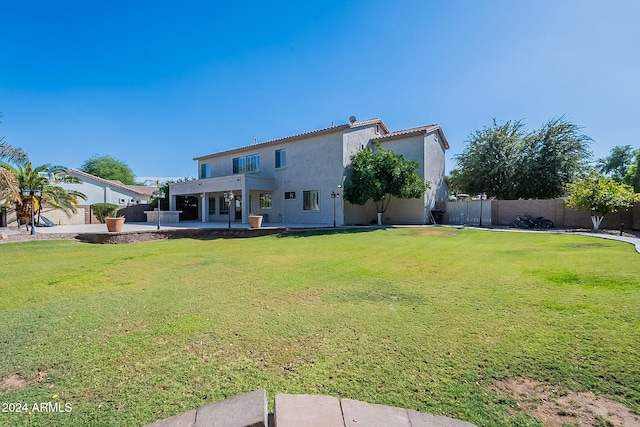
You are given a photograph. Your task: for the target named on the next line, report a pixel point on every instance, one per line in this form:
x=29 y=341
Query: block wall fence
x=503 y=212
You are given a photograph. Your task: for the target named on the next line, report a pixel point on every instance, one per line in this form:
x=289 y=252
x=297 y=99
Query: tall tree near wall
x=505 y=161
x=379 y=174
x=488 y=163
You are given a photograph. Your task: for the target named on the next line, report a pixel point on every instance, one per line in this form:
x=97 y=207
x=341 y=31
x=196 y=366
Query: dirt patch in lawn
x=556 y=408
x=430 y=231
x=12 y=382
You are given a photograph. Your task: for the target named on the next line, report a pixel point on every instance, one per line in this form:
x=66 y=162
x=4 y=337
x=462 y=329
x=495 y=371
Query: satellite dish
x=352 y=119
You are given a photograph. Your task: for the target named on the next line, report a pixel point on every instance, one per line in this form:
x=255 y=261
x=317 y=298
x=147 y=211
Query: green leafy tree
x=107 y=167
x=453 y=181
x=632 y=177
x=554 y=156
x=622 y=165
x=488 y=163
x=505 y=161
x=379 y=174
x=617 y=163
x=600 y=196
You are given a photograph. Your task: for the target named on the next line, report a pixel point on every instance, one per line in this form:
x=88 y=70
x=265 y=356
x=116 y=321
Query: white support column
x=245 y=203
x=204 y=208
x=172 y=203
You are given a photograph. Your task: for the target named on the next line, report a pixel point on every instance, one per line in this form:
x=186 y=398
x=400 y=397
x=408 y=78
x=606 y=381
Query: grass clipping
x=557 y=409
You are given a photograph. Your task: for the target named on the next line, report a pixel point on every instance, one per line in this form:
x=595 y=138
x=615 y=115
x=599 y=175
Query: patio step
x=246 y=410
x=304 y=410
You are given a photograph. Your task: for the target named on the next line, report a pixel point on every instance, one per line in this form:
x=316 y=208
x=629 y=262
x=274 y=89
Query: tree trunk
x=596 y=220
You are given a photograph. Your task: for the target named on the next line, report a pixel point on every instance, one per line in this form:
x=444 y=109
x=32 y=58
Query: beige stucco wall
x=429 y=151
x=312 y=163
x=320 y=163
x=54 y=215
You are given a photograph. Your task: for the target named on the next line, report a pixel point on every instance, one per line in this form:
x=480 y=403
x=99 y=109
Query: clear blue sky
x=156 y=83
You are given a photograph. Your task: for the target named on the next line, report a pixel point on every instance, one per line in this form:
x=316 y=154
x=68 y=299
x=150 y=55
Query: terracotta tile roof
x=370 y=122
x=297 y=136
x=406 y=132
x=140 y=189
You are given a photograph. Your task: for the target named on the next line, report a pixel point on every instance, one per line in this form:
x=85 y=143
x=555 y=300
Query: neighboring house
x=97 y=190
x=100 y=190
x=292 y=179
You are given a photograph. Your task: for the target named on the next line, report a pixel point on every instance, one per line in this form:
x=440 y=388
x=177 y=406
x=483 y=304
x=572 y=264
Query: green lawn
x=427 y=320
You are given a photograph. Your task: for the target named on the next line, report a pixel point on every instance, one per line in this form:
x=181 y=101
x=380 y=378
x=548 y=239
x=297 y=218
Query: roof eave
x=416 y=131
x=291 y=138
x=105 y=181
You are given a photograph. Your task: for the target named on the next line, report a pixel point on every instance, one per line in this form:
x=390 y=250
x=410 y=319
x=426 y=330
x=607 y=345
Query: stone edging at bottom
x=303 y=410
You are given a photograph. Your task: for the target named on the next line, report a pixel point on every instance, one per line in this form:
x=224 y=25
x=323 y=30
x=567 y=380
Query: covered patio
x=213 y=206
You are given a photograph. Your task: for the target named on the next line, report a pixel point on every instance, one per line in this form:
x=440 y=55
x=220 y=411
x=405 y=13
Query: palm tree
x=44 y=178
x=9 y=184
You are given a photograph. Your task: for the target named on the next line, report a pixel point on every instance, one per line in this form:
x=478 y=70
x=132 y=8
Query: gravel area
x=24 y=235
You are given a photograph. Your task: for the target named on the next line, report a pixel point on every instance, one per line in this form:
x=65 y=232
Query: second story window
x=281 y=158
x=253 y=163
x=205 y=170
x=238 y=165
x=246 y=164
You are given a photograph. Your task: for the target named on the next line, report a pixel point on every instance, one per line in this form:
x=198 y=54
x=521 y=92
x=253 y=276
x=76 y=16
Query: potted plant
x=255 y=221
x=107 y=213
x=114 y=225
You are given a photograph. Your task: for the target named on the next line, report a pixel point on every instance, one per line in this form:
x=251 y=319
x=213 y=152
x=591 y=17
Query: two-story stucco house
x=295 y=179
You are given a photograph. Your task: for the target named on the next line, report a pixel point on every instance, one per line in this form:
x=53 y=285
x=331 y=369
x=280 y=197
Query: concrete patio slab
x=304 y=410
x=361 y=414
x=246 y=410
x=419 y=419
x=188 y=419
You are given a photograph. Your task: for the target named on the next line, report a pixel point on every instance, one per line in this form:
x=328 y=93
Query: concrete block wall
x=54 y=215
x=60 y=218
x=504 y=212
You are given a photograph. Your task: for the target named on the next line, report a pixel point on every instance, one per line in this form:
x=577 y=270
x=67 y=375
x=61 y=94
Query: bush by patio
x=104 y=210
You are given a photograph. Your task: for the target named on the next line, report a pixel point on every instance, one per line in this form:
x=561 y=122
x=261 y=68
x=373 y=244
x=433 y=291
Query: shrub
x=104 y=210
